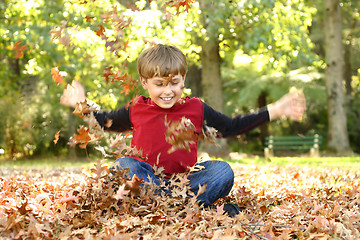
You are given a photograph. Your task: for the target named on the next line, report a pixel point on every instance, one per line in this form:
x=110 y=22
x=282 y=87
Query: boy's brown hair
x=161 y=61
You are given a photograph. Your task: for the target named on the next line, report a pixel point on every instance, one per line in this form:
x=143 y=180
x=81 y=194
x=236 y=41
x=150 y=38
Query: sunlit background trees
x=242 y=55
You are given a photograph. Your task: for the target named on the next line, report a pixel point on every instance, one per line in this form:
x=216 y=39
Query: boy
x=162 y=70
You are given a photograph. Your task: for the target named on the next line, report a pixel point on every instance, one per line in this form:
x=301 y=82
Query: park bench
x=293 y=143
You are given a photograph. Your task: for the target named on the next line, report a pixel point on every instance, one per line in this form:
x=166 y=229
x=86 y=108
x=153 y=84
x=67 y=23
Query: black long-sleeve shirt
x=226 y=126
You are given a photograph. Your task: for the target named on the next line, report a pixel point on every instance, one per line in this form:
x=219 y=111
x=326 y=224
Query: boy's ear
x=143 y=83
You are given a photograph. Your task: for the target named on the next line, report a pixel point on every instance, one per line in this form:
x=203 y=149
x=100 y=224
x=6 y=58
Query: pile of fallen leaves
x=97 y=203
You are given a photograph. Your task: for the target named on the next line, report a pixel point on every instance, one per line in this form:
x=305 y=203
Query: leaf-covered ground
x=279 y=203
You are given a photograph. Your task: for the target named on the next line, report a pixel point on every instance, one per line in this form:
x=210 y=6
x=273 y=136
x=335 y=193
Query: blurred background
x=242 y=55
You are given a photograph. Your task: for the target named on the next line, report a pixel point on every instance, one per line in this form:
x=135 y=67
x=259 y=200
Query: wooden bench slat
x=293 y=138
x=291 y=143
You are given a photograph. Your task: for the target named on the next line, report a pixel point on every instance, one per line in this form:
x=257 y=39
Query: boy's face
x=164 y=91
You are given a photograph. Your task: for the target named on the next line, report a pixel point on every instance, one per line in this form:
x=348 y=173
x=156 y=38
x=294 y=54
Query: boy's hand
x=292 y=105
x=73 y=94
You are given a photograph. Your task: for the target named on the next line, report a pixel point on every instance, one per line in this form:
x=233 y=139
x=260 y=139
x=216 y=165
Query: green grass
x=52 y=162
x=333 y=162
x=49 y=162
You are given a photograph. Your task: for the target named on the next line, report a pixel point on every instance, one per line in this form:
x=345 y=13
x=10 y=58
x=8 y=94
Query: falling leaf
x=100 y=169
x=103 y=151
x=100 y=31
x=83 y=137
x=19 y=50
x=108 y=123
x=125 y=45
x=110 y=44
x=57 y=134
x=66 y=40
x=107 y=73
x=132 y=7
x=152 y=43
x=209 y=134
x=180 y=134
x=56 y=75
x=82 y=108
x=57 y=31
x=88 y=18
x=180 y=3
x=127 y=82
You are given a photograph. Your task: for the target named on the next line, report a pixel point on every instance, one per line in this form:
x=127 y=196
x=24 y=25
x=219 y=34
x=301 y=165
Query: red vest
x=148 y=121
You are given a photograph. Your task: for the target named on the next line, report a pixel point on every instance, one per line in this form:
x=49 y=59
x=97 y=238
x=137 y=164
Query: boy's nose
x=168 y=88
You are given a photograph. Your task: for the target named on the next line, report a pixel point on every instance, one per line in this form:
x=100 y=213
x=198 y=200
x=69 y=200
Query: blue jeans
x=217 y=175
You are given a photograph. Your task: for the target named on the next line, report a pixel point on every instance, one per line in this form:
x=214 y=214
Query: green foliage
x=32 y=113
x=354 y=114
x=275 y=30
x=243 y=92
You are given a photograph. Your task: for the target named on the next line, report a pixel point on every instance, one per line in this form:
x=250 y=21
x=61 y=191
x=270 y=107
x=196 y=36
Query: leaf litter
x=100 y=203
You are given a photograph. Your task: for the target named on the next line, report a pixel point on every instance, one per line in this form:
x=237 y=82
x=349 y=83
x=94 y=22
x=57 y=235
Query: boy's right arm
x=118 y=120
x=73 y=94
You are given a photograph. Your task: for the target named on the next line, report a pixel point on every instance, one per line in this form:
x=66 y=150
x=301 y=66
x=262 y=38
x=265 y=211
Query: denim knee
x=220 y=170
x=218 y=178
x=229 y=177
x=135 y=167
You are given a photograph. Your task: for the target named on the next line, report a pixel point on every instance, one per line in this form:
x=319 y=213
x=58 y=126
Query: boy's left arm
x=292 y=105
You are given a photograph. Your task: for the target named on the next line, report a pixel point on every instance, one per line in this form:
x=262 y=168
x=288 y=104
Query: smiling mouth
x=167 y=99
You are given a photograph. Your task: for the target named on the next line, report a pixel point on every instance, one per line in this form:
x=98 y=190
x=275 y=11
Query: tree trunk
x=338 y=140
x=210 y=59
x=210 y=72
